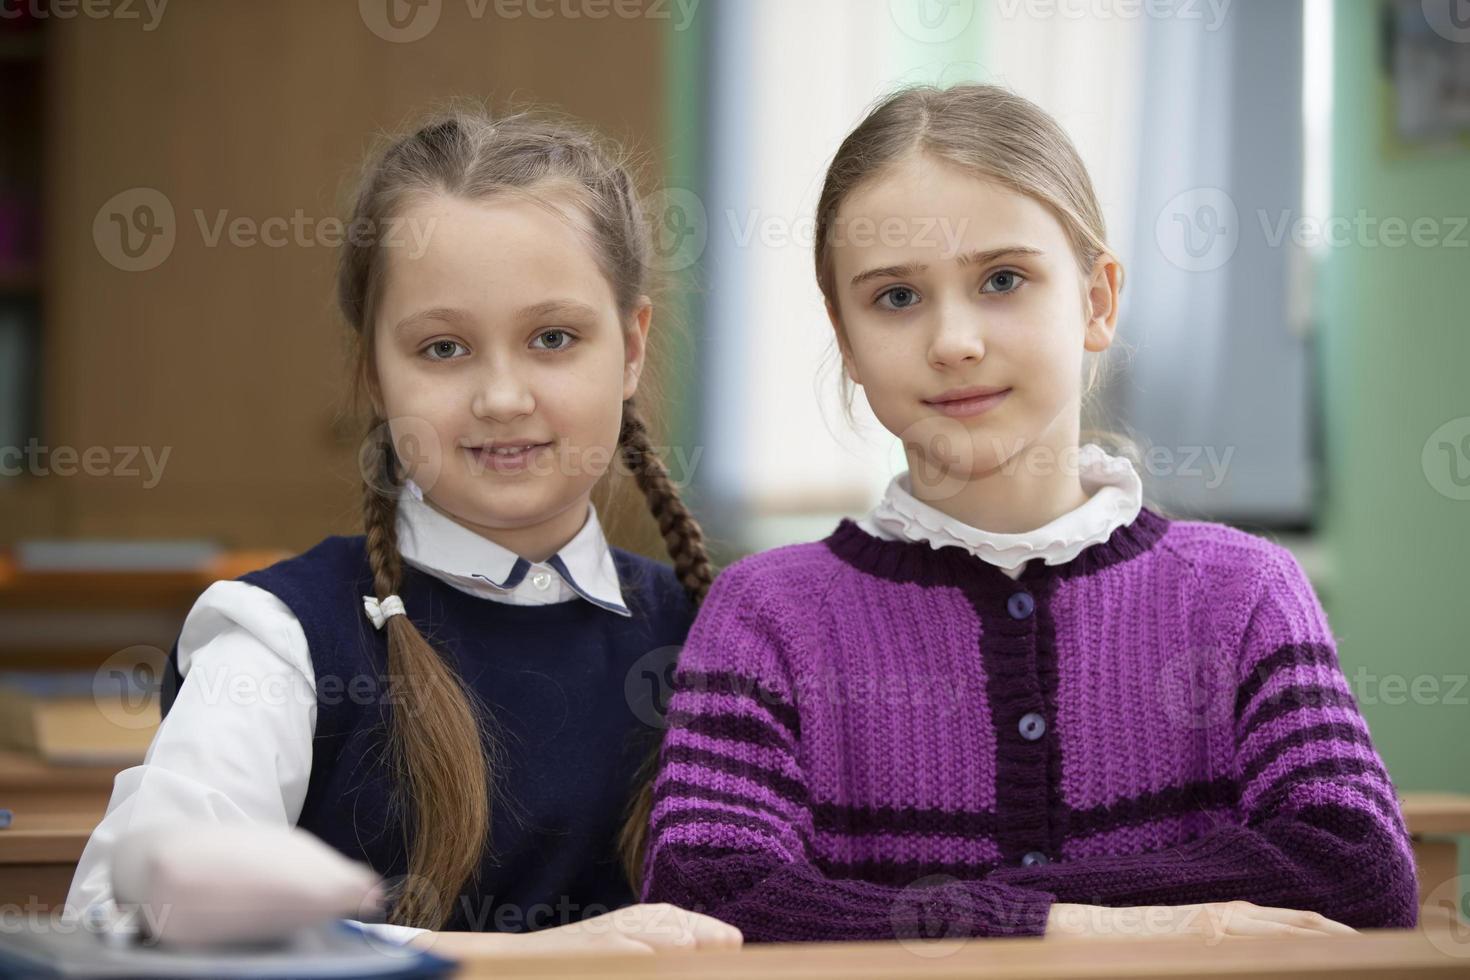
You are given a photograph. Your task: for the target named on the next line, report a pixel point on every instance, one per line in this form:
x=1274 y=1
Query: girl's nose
x=502 y=396
x=957 y=338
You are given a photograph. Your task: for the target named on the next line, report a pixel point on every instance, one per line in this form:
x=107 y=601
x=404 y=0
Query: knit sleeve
x=731 y=827
x=1322 y=828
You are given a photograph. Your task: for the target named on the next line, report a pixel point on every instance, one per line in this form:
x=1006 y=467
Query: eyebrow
x=966 y=258
x=550 y=309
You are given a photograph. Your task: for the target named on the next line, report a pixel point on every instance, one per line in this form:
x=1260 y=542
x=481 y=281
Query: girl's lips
x=509 y=462
x=969 y=407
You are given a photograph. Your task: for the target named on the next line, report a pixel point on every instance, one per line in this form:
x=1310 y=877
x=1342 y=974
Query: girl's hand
x=637 y=929
x=1213 y=920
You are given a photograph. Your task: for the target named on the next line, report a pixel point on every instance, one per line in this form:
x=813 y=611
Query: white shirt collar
x=453 y=553
x=1115 y=496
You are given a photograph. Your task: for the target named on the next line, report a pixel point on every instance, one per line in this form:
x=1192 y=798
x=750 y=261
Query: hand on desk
x=641 y=929
x=1213 y=920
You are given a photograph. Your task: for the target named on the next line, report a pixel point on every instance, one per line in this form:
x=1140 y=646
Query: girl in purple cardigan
x=1012 y=700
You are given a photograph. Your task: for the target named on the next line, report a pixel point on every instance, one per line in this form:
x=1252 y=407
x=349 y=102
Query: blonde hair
x=441 y=737
x=998 y=136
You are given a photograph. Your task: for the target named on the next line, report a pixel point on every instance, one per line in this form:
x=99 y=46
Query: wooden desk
x=1386 y=954
x=55 y=810
x=1435 y=822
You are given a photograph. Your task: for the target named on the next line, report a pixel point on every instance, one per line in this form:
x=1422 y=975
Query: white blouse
x=236 y=746
x=1115 y=496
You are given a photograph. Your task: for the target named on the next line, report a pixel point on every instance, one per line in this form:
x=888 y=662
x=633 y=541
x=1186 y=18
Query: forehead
x=502 y=252
x=929 y=205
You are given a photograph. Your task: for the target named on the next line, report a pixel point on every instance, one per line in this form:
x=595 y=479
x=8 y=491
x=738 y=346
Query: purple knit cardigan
x=876 y=739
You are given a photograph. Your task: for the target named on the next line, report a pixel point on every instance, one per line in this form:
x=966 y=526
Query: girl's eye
x=562 y=339
x=446 y=347
x=1005 y=281
x=902 y=298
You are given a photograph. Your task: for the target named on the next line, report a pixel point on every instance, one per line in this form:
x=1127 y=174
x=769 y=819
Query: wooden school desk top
x=1387 y=954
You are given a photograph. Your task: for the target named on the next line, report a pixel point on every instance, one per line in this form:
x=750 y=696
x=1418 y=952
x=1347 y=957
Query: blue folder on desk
x=334 y=949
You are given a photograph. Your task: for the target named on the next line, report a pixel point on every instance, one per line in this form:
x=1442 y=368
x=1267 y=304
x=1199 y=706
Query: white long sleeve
x=236 y=745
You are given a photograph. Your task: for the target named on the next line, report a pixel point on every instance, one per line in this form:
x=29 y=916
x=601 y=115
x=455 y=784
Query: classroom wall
x=231 y=357
x=1395 y=349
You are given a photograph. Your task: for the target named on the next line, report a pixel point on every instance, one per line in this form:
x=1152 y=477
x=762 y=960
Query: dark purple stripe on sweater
x=1290 y=699
x=734 y=728
x=778 y=831
x=1291 y=655
x=776 y=705
x=954 y=566
x=1271 y=798
x=779 y=783
x=683 y=789
x=1332 y=731
x=1173 y=801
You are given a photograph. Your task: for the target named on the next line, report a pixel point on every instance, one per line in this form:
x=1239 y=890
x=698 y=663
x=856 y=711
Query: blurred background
x=1287 y=183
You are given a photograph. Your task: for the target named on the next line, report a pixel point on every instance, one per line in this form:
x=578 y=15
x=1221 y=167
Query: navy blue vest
x=576 y=692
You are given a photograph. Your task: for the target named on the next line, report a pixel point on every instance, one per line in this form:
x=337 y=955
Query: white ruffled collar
x=1115 y=496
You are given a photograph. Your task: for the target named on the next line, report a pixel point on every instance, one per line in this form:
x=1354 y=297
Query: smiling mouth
x=967 y=407
x=507 y=459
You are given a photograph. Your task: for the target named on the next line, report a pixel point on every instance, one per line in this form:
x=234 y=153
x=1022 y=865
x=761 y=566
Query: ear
x=636 y=346
x=848 y=365
x=1104 y=285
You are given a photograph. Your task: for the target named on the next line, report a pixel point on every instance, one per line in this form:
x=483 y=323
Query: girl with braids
x=1011 y=700
x=467 y=729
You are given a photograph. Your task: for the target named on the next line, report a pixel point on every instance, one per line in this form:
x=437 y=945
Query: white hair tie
x=379 y=612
